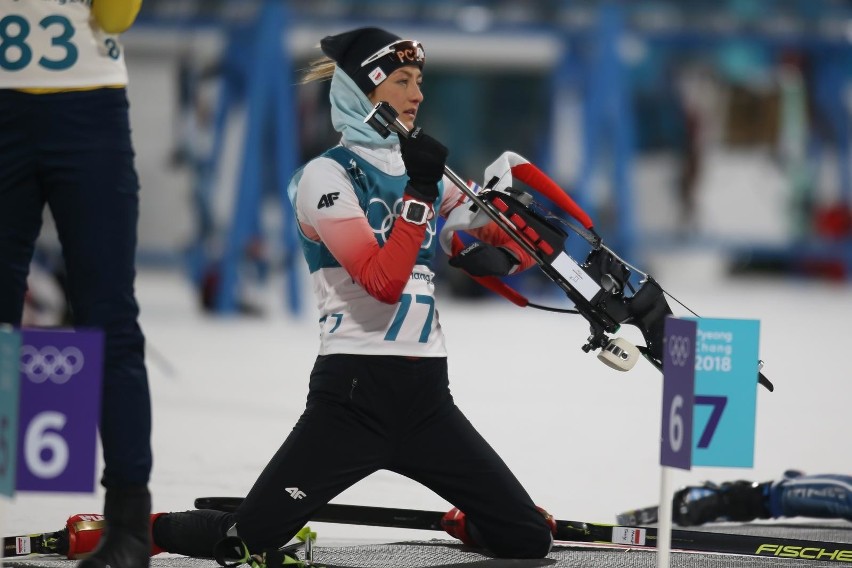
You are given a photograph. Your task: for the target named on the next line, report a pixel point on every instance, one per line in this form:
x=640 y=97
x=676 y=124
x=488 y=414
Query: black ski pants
x=72 y=152
x=366 y=413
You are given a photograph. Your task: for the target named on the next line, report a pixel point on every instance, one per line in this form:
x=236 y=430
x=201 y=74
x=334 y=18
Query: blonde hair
x=318 y=70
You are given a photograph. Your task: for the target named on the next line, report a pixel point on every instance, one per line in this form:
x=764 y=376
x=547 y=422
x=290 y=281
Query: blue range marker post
x=717 y=358
x=10 y=354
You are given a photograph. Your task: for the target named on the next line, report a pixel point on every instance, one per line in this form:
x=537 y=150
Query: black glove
x=482 y=259
x=424 y=159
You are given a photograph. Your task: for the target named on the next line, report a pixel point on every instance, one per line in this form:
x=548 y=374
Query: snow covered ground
x=583 y=438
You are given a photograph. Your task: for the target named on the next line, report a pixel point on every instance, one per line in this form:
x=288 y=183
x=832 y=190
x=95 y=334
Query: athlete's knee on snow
x=531 y=538
x=536 y=544
x=530 y=541
x=536 y=539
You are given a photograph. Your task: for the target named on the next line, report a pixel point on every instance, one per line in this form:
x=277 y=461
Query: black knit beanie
x=350 y=49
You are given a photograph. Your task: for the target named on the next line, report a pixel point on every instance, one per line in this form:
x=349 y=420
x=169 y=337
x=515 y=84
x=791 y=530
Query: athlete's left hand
x=424 y=159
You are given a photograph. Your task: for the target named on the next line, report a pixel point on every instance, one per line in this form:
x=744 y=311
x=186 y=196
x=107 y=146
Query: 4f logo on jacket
x=328 y=199
x=295 y=492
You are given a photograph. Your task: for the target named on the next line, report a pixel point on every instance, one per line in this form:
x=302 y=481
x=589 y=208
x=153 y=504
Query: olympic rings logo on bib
x=378 y=207
x=678 y=348
x=49 y=363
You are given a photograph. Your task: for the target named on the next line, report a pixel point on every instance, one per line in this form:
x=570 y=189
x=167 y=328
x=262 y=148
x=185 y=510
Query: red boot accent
x=549 y=518
x=454 y=523
x=85 y=531
x=155 y=550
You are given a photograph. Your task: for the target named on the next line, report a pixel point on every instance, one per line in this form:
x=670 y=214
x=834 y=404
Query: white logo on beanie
x=377 y=76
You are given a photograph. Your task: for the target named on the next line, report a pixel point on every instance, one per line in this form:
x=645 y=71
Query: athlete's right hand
x=484 y=259
x=424 y=159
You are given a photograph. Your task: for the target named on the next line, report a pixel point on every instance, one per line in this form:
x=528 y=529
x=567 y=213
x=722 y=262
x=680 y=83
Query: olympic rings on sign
x=678 y=349
x=50 y=363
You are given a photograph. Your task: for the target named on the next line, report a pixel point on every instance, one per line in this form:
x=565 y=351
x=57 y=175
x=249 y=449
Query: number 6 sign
x=59 y=411
x=678 y=393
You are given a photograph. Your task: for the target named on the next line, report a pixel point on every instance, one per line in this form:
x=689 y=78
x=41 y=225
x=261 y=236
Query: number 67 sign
x=710 y=369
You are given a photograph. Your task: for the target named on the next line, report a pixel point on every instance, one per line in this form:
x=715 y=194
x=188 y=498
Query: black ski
x=348 y=514
x=643 y=516
x=575 y=531
x=38 y=543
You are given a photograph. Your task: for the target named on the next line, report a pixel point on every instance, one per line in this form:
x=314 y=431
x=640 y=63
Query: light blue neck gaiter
x=349 y=107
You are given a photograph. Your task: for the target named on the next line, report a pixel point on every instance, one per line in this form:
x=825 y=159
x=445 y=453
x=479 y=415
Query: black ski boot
x=231 y=551
x=126 y=542
x=732 y=501
x=192 y=533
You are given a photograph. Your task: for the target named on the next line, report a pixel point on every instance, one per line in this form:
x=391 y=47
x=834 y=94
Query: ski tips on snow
x=644 y=516
x=36 y=544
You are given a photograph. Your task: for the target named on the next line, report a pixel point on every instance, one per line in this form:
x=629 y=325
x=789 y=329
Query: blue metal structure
x=256 y=73
x=592 y=66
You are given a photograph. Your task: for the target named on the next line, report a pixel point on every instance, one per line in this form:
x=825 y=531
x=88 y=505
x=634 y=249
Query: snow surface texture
x=447 y=554
x=583 y=438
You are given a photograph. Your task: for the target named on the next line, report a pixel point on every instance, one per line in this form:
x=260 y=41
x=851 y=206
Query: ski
x=37 y=543
x=643 y=516
x=348 y=514
x=577 y=531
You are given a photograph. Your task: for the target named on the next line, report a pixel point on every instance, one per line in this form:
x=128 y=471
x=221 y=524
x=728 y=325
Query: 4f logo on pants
x=328 y=199
x=295 y=492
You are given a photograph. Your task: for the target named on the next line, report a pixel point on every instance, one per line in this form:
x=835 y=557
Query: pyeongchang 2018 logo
x=678 y=347
x=50 y=363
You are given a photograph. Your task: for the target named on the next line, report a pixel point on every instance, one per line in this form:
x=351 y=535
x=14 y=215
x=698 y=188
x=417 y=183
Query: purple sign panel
x=678 y=392
x=59 y=412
